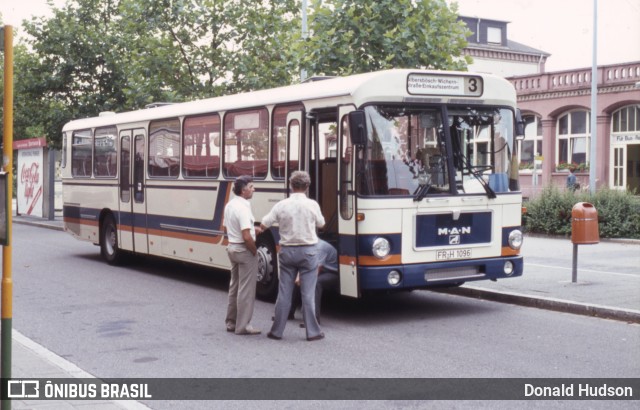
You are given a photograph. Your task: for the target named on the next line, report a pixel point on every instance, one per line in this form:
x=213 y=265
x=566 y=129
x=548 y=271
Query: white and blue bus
x=415 y=172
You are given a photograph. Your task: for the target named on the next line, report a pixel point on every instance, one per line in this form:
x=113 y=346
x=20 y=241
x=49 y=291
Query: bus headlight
x=394 y=277
x=515 y=239
x=381 y=248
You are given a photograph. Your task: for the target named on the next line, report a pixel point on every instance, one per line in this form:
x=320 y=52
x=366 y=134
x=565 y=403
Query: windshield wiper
x=423 y=187
x=490 y=192
x=463 y=161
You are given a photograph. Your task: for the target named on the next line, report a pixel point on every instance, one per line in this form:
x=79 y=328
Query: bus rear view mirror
x=358 y=127
x=519 y=125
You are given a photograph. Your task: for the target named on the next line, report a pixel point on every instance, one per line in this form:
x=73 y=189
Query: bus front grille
x=469 y=272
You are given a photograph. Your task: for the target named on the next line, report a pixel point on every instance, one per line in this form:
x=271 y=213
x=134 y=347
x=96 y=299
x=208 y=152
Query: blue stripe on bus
x=347 y=245
x=77 y=212
x=153 y=222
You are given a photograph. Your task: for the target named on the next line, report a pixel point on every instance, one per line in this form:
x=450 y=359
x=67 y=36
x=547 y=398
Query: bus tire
x=267 y=286
x=109 y=248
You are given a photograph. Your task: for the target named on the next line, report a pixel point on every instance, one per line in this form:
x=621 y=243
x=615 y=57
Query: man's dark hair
x=241 y=182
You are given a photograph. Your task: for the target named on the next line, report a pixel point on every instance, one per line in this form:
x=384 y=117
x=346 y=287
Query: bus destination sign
x=434 y=84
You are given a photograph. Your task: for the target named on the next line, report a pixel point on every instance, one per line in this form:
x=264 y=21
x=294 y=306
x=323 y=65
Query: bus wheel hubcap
x=265 y=264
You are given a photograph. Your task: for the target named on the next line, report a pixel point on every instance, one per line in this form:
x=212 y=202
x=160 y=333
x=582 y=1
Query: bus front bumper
x=439 y=274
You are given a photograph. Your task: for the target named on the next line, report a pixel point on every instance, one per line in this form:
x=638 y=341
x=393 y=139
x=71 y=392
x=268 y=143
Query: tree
x=201 y=48
x=356 y=36
x=69 y=68
x=119 y=55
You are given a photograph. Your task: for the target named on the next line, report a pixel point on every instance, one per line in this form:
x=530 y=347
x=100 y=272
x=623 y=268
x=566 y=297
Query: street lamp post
x=305 y=34
x=594 y=103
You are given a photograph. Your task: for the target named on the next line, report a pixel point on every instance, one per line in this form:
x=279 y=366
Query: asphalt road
x=156 y=318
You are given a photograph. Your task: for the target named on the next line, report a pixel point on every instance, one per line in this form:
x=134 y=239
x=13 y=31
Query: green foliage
x=68 y=68
x=618 y=212
x=356 y=36
x=178 y=50
x=119 y=55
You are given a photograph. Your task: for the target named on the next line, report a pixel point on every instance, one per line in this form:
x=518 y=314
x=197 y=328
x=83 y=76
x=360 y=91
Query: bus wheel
x=109 y=242
x=267 y=287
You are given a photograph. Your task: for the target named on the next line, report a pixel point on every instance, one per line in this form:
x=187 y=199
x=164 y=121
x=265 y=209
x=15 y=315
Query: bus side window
x=105 y=148
x=201 y=147
x=280 y=151
x=246 y=143
x=138 y=169
x=346 y=175
x=81 y=146
x=164 y=151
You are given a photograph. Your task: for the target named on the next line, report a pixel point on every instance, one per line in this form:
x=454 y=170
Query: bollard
x=584 y=231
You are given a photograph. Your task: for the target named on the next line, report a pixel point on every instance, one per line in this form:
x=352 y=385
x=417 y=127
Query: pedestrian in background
x=242 y=252
x=572 y=183
x=297 y=218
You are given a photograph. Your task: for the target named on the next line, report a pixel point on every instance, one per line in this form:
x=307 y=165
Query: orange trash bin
x=584 y=224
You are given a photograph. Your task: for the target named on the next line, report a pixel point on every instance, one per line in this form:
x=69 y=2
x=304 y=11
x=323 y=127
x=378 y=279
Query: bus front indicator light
x=394 y=277
x=381 y=248
x=508 y=268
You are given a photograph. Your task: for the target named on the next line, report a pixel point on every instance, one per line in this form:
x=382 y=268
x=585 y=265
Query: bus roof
x=375 y=86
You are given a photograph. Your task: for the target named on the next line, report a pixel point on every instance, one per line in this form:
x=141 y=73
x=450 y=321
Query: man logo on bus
x=454 y=233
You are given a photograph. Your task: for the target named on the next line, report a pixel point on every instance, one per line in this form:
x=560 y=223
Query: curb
x=628 y=241
x=540 y=302
x=40 y=224
x=70 y=370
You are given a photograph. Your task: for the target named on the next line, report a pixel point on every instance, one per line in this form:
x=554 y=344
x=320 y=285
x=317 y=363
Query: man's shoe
x=272 y=336
x=231 y=328
x=250 y=331
x=314 y=338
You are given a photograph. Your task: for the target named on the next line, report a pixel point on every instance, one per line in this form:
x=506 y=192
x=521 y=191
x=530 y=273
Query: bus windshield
x=407 y=152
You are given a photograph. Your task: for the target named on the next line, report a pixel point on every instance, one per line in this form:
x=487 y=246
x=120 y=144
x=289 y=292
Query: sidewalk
x=608 y=286
x=31 y=360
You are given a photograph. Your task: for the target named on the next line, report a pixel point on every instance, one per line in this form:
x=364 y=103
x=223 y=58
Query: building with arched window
x=557 y=112
x=557 y=107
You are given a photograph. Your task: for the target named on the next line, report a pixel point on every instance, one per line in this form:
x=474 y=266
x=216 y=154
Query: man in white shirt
x=239 y=224
x=297 y=218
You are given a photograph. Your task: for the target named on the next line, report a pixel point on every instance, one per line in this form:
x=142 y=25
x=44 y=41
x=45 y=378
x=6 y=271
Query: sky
x=562 y=28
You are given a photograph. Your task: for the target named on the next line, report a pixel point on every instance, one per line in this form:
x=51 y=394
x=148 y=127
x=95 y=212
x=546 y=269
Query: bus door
x=294 y=145
x=133 y=210
x=346 y=203
x=323 y=168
